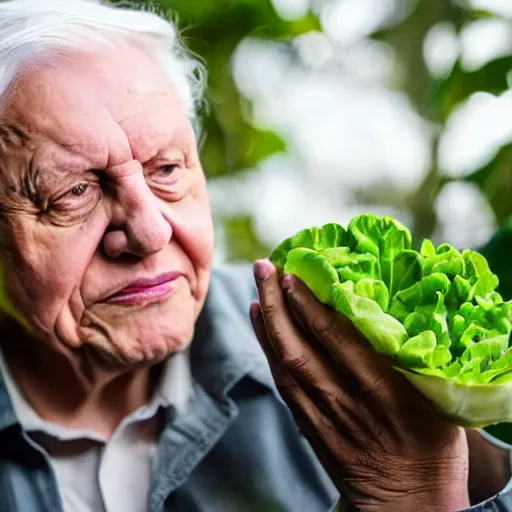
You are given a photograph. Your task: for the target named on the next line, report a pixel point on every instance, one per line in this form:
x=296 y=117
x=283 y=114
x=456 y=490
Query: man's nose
x=138 y=226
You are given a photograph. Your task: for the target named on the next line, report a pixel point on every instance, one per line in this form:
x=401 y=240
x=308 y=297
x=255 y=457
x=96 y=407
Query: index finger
x=278 y=323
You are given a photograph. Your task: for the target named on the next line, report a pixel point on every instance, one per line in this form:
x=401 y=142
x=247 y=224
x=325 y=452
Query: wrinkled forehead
x=87 y=101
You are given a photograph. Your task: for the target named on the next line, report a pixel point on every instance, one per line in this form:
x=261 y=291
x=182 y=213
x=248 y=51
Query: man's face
x=101 y=187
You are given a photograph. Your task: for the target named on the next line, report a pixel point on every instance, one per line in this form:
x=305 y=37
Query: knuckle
x=377 y=389
x=334 y=401
x=295 y=362
x=269 y=308
x=366 y=459
x=328 y=434
x=324 y=326
x=288 y=388
x=326 y=426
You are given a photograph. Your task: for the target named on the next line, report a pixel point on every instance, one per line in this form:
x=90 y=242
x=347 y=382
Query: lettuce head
x=434 y=314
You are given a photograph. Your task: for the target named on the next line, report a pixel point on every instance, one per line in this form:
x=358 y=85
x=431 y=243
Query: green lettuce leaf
x=434 y=314
x=384 y=332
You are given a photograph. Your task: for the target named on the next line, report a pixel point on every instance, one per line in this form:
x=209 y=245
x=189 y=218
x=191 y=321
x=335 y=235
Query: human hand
x=382 y=443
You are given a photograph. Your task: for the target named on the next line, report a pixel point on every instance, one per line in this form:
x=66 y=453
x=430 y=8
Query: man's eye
x=168 y=169
x=79 y=198
x=168 y=178
x=79 y=189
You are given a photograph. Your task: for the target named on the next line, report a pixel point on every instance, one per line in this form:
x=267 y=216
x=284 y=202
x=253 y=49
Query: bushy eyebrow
x=12 y=136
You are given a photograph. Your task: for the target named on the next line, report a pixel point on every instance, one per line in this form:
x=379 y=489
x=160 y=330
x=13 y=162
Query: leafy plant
x=434 y=313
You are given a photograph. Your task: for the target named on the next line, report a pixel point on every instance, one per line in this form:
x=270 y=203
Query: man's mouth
x=146 y=291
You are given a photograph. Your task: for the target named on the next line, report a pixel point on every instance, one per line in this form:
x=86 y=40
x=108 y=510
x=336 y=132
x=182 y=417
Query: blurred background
x=323 y=109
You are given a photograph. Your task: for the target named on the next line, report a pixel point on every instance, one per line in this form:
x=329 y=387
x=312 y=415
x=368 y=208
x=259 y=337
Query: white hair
x=29 y=28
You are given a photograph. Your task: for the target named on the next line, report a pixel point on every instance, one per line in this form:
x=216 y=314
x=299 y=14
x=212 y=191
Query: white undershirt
x=99 y=475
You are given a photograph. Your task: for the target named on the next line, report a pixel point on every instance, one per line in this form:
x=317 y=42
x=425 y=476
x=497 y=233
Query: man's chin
x=135 y=358
x=125 y=338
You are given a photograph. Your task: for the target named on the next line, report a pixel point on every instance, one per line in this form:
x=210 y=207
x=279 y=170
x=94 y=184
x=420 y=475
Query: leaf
x=356 y=266
x=491 y=349
x=383 y=237
x=306 y=238
x=407 y=270
x=314 y=270
x=332 y=236
x=338 y=256
x=484 y=285
x=418 y=351
x=457 y=327
x=373 y=289
x=438 y=322
x=415 y=323
x=385 y=333
x=422 y=292
x=459 y=291
x=428 y=249
x=311 y=238
x=447 y=261
x=476 y=265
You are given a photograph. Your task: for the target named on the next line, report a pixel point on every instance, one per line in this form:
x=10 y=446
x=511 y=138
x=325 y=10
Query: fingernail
x=262 y=270
x=287 y=282
x=254 y=310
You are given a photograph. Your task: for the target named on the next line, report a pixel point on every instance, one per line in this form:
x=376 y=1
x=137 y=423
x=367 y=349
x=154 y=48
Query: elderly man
x=131 y=378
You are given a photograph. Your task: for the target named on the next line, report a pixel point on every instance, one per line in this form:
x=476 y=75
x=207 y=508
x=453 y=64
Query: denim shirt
x=236 y=447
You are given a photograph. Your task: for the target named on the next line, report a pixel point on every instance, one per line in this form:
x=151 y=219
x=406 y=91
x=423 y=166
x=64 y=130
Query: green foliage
x=435 y=313
x=460 y=84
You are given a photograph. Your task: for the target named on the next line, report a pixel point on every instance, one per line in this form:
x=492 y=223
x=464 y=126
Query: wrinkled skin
x=101 y=184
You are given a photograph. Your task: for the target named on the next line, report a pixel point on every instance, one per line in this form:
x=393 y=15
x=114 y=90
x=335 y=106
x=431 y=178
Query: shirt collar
x=225 y=348
x=174 y=389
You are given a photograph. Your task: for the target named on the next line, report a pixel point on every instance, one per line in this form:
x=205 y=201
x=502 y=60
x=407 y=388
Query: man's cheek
x=42 y=290
x=193 y=231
